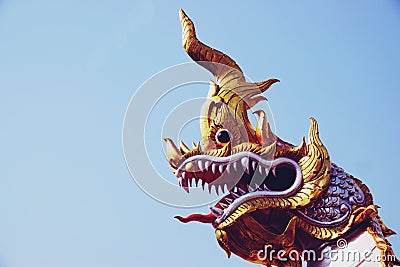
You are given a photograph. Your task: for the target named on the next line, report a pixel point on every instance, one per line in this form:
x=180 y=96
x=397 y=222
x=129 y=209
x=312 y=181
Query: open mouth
x=242 y=177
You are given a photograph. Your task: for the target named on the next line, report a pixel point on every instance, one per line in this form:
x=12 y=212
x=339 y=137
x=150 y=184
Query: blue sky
x=68 y=70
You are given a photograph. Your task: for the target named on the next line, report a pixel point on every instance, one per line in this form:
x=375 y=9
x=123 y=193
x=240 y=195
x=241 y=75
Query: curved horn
x=229 y=76
x=316 y=165
x=202 y=53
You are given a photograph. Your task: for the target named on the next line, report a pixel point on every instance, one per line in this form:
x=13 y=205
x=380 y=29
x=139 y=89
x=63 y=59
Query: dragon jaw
x=245 y=175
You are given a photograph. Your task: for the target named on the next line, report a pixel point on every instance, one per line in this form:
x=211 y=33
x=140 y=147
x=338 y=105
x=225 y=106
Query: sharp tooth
x=260 y=169
x=222 y=188
x=254 y=165
x=180 y=181
x=216 y=211
x=235 y=166
x=216 y=189
x=228 y=168
x=228 y=200
x=235 y=189
x=265 y=187
x=245 y=164
x=223 y=205
x=184 y=175
x=190 y=182
x=241 y=191
x=221 y=168
x=207 y=164
x=235 y=195
x=200 y=164
x=250 y=188
x=209 y=188
x=202 y=184
x=173 y=153
x=185 y=185
x=213 y=167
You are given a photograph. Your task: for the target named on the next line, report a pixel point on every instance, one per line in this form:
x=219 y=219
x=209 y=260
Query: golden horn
x=265 y=85
x=229 y=77
x=199 y=51
x=173 y=153
x=263 y=129
x=316 y=164
x=196 y=147
x=183 y=147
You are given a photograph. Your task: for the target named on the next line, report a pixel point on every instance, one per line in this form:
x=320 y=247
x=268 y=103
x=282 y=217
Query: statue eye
x=222 y=136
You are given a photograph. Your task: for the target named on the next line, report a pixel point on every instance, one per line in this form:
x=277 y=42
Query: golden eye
x=222 y=136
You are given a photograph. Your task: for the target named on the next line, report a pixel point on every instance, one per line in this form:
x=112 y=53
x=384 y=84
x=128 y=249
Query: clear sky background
x=69 y=68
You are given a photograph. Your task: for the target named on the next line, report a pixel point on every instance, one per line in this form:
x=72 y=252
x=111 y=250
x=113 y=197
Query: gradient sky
x=69 y=68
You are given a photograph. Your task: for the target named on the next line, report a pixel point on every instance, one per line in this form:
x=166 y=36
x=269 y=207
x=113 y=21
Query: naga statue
x=280 y=198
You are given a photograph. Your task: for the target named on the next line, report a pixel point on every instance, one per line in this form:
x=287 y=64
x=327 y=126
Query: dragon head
x=267 y=183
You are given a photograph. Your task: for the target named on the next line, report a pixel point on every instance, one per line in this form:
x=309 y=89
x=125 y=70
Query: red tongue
x=203 y=218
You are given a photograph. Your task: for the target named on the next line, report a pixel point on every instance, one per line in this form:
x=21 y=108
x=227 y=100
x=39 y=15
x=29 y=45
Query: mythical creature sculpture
x=279 y=196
